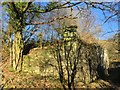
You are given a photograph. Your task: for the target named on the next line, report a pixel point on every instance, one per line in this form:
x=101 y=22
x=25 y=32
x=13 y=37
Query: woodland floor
x=26 y=79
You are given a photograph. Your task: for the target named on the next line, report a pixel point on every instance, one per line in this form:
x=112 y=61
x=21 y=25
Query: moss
x=11 y=69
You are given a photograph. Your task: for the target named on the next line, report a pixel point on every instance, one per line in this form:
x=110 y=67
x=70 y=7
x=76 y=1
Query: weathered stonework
x=93 y=59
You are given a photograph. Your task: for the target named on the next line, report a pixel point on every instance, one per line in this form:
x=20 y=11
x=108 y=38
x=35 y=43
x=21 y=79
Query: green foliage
x=69 y=35
x=52 y=5
x=21 y=6
x=10 y=69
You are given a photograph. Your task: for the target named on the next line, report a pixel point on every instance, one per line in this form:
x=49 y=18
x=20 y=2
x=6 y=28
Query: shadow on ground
x=114 y=75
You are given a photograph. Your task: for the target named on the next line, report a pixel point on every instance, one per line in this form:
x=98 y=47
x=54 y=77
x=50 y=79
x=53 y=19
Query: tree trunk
x=13 y=54
x=17 y=51
x=11 y=60
x=40 y=37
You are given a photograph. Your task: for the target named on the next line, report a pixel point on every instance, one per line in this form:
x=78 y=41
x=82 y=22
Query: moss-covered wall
x=93 y=62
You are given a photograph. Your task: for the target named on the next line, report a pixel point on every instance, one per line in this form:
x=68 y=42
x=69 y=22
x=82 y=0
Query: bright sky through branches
x=109 y=28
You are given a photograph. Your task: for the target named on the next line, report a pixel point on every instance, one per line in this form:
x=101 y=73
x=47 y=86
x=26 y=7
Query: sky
x=109 y=28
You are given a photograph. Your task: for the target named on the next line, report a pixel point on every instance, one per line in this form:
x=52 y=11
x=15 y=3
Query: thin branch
x=56 y=7
x=107 y=33
x=58 y=18
x=110 y=17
